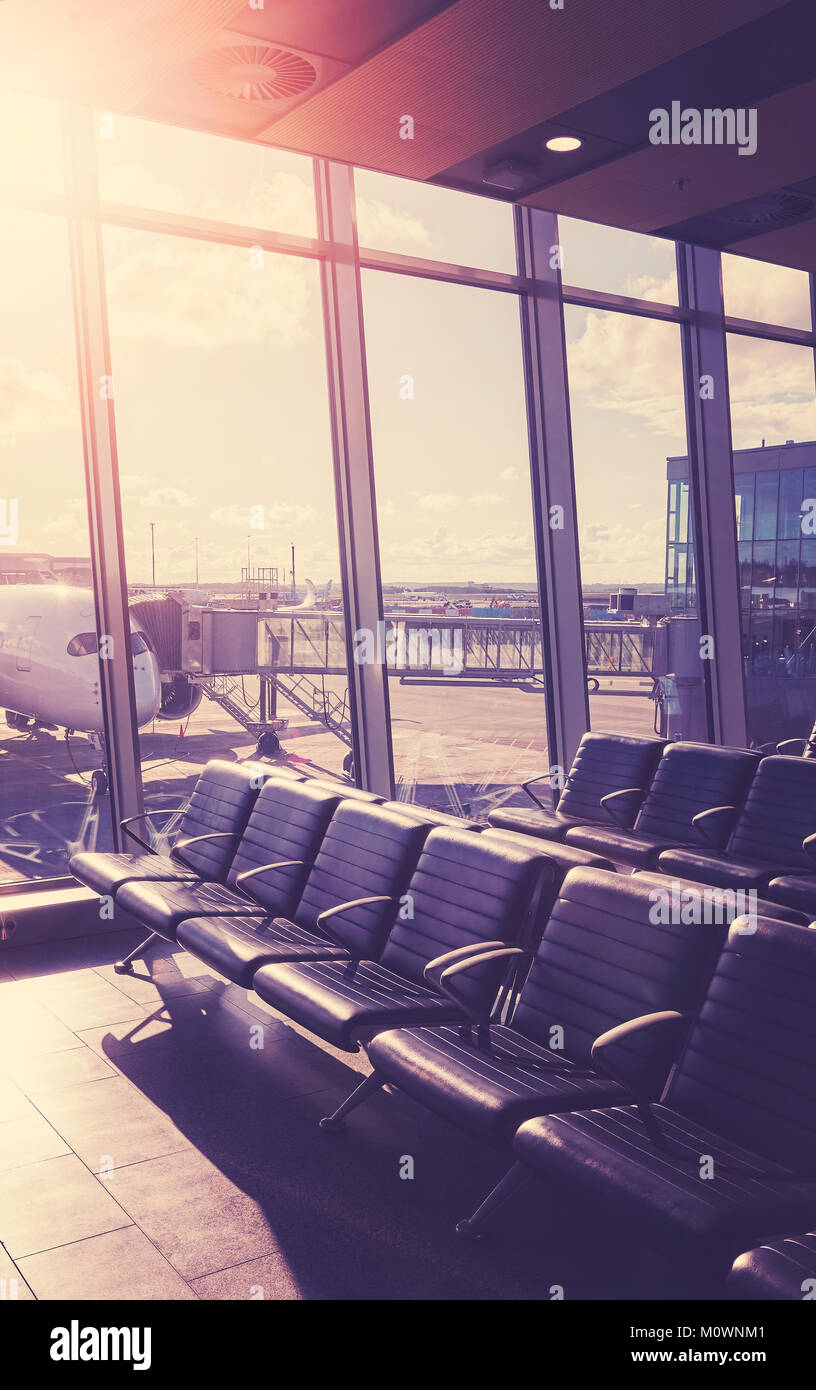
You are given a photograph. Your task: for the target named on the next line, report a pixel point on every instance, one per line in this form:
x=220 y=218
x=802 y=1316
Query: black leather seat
x=779 y=813
x=564 y=856
x=780 y=1269
x=604 y=763
x=736 y=1157
x=219 y=805
x=724 y=903
x=360 y=872
x=429 y=815
x=601 y=961
x=465 y=891
x=286 y=826
x=690 y=778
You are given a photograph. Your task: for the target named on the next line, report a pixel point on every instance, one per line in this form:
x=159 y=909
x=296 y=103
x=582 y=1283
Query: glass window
x=86 y=644
x=626 y=404
x=169 y=169
x=765 y=292
x=777 y=597
x=458 y=565
x=50 y=740
x=418 y=219
x=594 y=257
x=33 y=158
x=228 y=505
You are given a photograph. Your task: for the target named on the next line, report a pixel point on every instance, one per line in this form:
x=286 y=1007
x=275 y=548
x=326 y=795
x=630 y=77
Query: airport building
x=365 y=711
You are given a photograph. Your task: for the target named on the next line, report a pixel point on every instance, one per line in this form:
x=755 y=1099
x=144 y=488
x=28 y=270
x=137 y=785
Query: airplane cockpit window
x=140 y=642
x=84 y=644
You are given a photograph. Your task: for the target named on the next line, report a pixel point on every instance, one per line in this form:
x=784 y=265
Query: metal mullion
x=101 y=474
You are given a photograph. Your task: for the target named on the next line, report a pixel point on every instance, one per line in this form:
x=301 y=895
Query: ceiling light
x=563 y=143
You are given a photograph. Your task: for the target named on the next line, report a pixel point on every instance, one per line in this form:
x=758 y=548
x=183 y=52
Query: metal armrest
x=435 y=968
x=809 y=846
x=643 y=1077
x=710 y=824
x=792 y=747
x=129 y=820
x=623 y=805
x=340 y=908
x=241 y=878
x=449 y=983
x=525 y=787
x=180 y=845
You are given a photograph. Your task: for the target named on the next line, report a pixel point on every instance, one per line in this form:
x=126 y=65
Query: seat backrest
x=347 y=791
x=221 y=802
x=466 y=888
x=288 y=821
x=607 y=955
x=694 y=777
x=749 y=1068
x=366 y=852
x=778 y=814
x=430 y=816
x=606 y=763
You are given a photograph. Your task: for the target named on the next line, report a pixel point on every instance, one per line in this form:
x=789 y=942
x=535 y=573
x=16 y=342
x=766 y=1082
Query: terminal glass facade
x=204 y=321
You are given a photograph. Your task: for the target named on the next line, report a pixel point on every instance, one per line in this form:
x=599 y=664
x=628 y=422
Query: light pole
x=196 y=559
x=153 y=549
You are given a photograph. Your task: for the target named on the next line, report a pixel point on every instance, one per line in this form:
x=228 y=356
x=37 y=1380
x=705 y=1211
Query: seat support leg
x=125 y=967
x=515 y=1178
x=333 y=1124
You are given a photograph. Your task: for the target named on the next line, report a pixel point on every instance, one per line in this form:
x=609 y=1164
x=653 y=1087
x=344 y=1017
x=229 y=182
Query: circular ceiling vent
x=254 y=72
x=768 y=209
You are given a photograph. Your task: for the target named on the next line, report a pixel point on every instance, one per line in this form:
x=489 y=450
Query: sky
x=220 y=379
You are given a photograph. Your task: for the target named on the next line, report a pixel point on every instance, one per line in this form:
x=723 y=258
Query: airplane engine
x=179 y=697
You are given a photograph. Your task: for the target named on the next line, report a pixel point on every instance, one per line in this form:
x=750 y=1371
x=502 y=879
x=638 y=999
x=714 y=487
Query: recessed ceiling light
x=562 y=143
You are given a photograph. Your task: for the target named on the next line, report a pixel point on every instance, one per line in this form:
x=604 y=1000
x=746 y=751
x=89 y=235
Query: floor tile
x=193 y=1213
x=12 y=1099
x=268 y=1279
x=82 y=999
x=109 y=1124
x=28 y=1140
x=36 y=1075
x=51 y=1203
x=119 y=1265
x=13 y=1287
x=28 y=1028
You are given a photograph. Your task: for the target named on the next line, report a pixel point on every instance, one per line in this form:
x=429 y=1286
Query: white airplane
x=49 y=660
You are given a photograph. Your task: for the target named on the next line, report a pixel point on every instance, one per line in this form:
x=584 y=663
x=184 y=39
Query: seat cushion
x=106 y=873
x=703 y=1198
x=238 y=946
x=343 y=1002
x=546 y=825
x=795 y=890
x=781 y=1269
x=161 y=907
x=626 y=846
x=724 y=903
x=721 y=870
x=488 y=1094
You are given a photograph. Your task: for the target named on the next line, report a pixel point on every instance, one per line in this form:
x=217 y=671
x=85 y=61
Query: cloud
x=282 y=201
x=508 y=475
x=278 y=514
x=198 y=295
x=439 y=502
x=32 y=402
x=486 y=499
x=382 y=226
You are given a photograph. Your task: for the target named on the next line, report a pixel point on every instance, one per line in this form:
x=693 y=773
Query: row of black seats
x=724 y=816
x=585 y=1035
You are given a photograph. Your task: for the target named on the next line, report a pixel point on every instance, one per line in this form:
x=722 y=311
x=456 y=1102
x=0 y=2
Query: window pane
x=626 y=402
x=777 y=593
x=225 y=459
x=765 y=292
x=33 y=158
x=459 y=591
x=594 y=257
x=418 y=219
x=47 y=803
x=184 y=171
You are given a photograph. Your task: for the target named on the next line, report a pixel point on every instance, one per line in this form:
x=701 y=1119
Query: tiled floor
x=159 y=1140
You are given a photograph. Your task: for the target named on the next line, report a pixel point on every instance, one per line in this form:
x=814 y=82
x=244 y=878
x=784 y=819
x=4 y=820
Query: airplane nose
x=146 y=689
